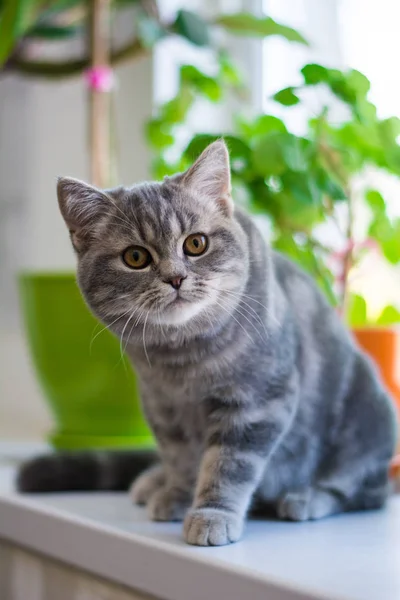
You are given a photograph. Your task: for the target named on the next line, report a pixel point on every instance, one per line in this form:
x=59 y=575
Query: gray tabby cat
x=253 y=388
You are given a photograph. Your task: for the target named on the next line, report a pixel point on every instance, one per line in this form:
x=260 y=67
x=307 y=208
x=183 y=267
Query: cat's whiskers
x=237 y=309
x=144 y=339
x=252 y=314
x=235 y=319
x=136 y=323
x=106 y=327
x=247 y=308
x=160 y=324
x=268 y=311
x=243 y=295
x=121 y=348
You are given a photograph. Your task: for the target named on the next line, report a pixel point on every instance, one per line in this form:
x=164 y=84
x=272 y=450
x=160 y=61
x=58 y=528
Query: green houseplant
x=92 y=394
x=304 y=186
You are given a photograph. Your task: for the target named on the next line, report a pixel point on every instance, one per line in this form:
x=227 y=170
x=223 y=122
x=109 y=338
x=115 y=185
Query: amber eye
x=136 y=257
x=195 y=244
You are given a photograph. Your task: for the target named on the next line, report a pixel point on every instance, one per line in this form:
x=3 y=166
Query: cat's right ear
x=81 y=206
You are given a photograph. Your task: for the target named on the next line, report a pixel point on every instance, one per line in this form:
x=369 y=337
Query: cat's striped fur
x=253 y=388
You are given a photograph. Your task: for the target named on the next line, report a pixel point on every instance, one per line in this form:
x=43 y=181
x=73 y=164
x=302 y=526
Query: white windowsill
x=352 y=557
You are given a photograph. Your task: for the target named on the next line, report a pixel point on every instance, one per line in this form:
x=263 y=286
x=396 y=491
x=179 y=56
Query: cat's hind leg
x=355 y=473
x=334 y=496
x=309 y=504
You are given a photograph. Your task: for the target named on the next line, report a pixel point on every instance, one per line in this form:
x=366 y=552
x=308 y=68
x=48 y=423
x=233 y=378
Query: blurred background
x=50 y=125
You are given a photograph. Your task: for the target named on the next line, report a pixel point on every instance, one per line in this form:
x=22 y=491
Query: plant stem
x=336 y=167
x=99 y=101
x=348 y=257
x=320 y=273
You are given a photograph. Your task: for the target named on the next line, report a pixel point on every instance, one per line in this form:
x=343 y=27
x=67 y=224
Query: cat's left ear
x=210 y=176
x=81 y=206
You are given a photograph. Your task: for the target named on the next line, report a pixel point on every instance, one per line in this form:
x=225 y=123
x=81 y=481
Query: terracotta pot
x=383 y=346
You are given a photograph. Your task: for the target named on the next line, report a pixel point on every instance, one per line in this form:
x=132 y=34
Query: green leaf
x=302 y=187
x=360 y=143
x=149 y=31
x=314 y=74
x=276 y=152
x=52 y=32
x=392 y=160
x=248 y=24
x=305 y=256
x=261 y=199
x=375 y=201
x=199 y=143
x=358 y=82
x=285 y=243
x=160 y=168
x=267 y=123
x=295 y=152
x=357 y=311
x=191 y=26
x=205 y=85
x=366 y=111
x=389 y=130
x=338 y=84
x=387 y=234
x=238 y=149
x=61 y=8
x=389 y=316
x=286 y=97
x=175 y=110
x=328 y=185
x=268 y=155
x=17 y=17
x=59 y=5
x=228 y=71
x=157 y=136
x=351 y=87
x=260 y=126
x=391 y=244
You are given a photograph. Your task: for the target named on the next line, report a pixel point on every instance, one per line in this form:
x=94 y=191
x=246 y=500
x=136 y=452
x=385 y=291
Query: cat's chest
x=180 y=386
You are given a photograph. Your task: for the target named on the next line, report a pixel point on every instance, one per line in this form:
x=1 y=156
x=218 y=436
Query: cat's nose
x=176 y=282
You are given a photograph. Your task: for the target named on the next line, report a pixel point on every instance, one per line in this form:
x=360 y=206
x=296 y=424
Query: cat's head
x=167 y=254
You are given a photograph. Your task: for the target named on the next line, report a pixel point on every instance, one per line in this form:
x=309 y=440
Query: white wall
x=43 y=135
x=319 y=23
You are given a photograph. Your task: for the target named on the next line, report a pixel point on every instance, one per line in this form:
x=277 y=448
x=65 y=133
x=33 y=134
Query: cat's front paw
x=212 y=527
x=168 y=504
x=147 y=484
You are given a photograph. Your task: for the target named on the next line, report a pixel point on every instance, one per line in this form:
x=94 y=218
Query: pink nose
x=176 y=282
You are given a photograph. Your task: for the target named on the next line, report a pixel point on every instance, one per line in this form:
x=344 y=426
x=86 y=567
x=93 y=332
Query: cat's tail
x=83 y=471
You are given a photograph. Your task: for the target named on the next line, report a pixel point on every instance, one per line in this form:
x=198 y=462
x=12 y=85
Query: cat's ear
x=81 y=206
x=210 y=175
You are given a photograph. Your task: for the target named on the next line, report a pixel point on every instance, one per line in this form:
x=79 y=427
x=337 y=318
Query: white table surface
x=352 y=557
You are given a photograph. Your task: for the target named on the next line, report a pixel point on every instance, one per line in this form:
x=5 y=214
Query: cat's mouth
x=178 y=300
x=179 y=310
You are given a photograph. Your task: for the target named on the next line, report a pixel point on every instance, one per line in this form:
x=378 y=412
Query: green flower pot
x=91 y=389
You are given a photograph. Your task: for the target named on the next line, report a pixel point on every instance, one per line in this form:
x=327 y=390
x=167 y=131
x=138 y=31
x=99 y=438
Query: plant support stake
x=99 y=78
